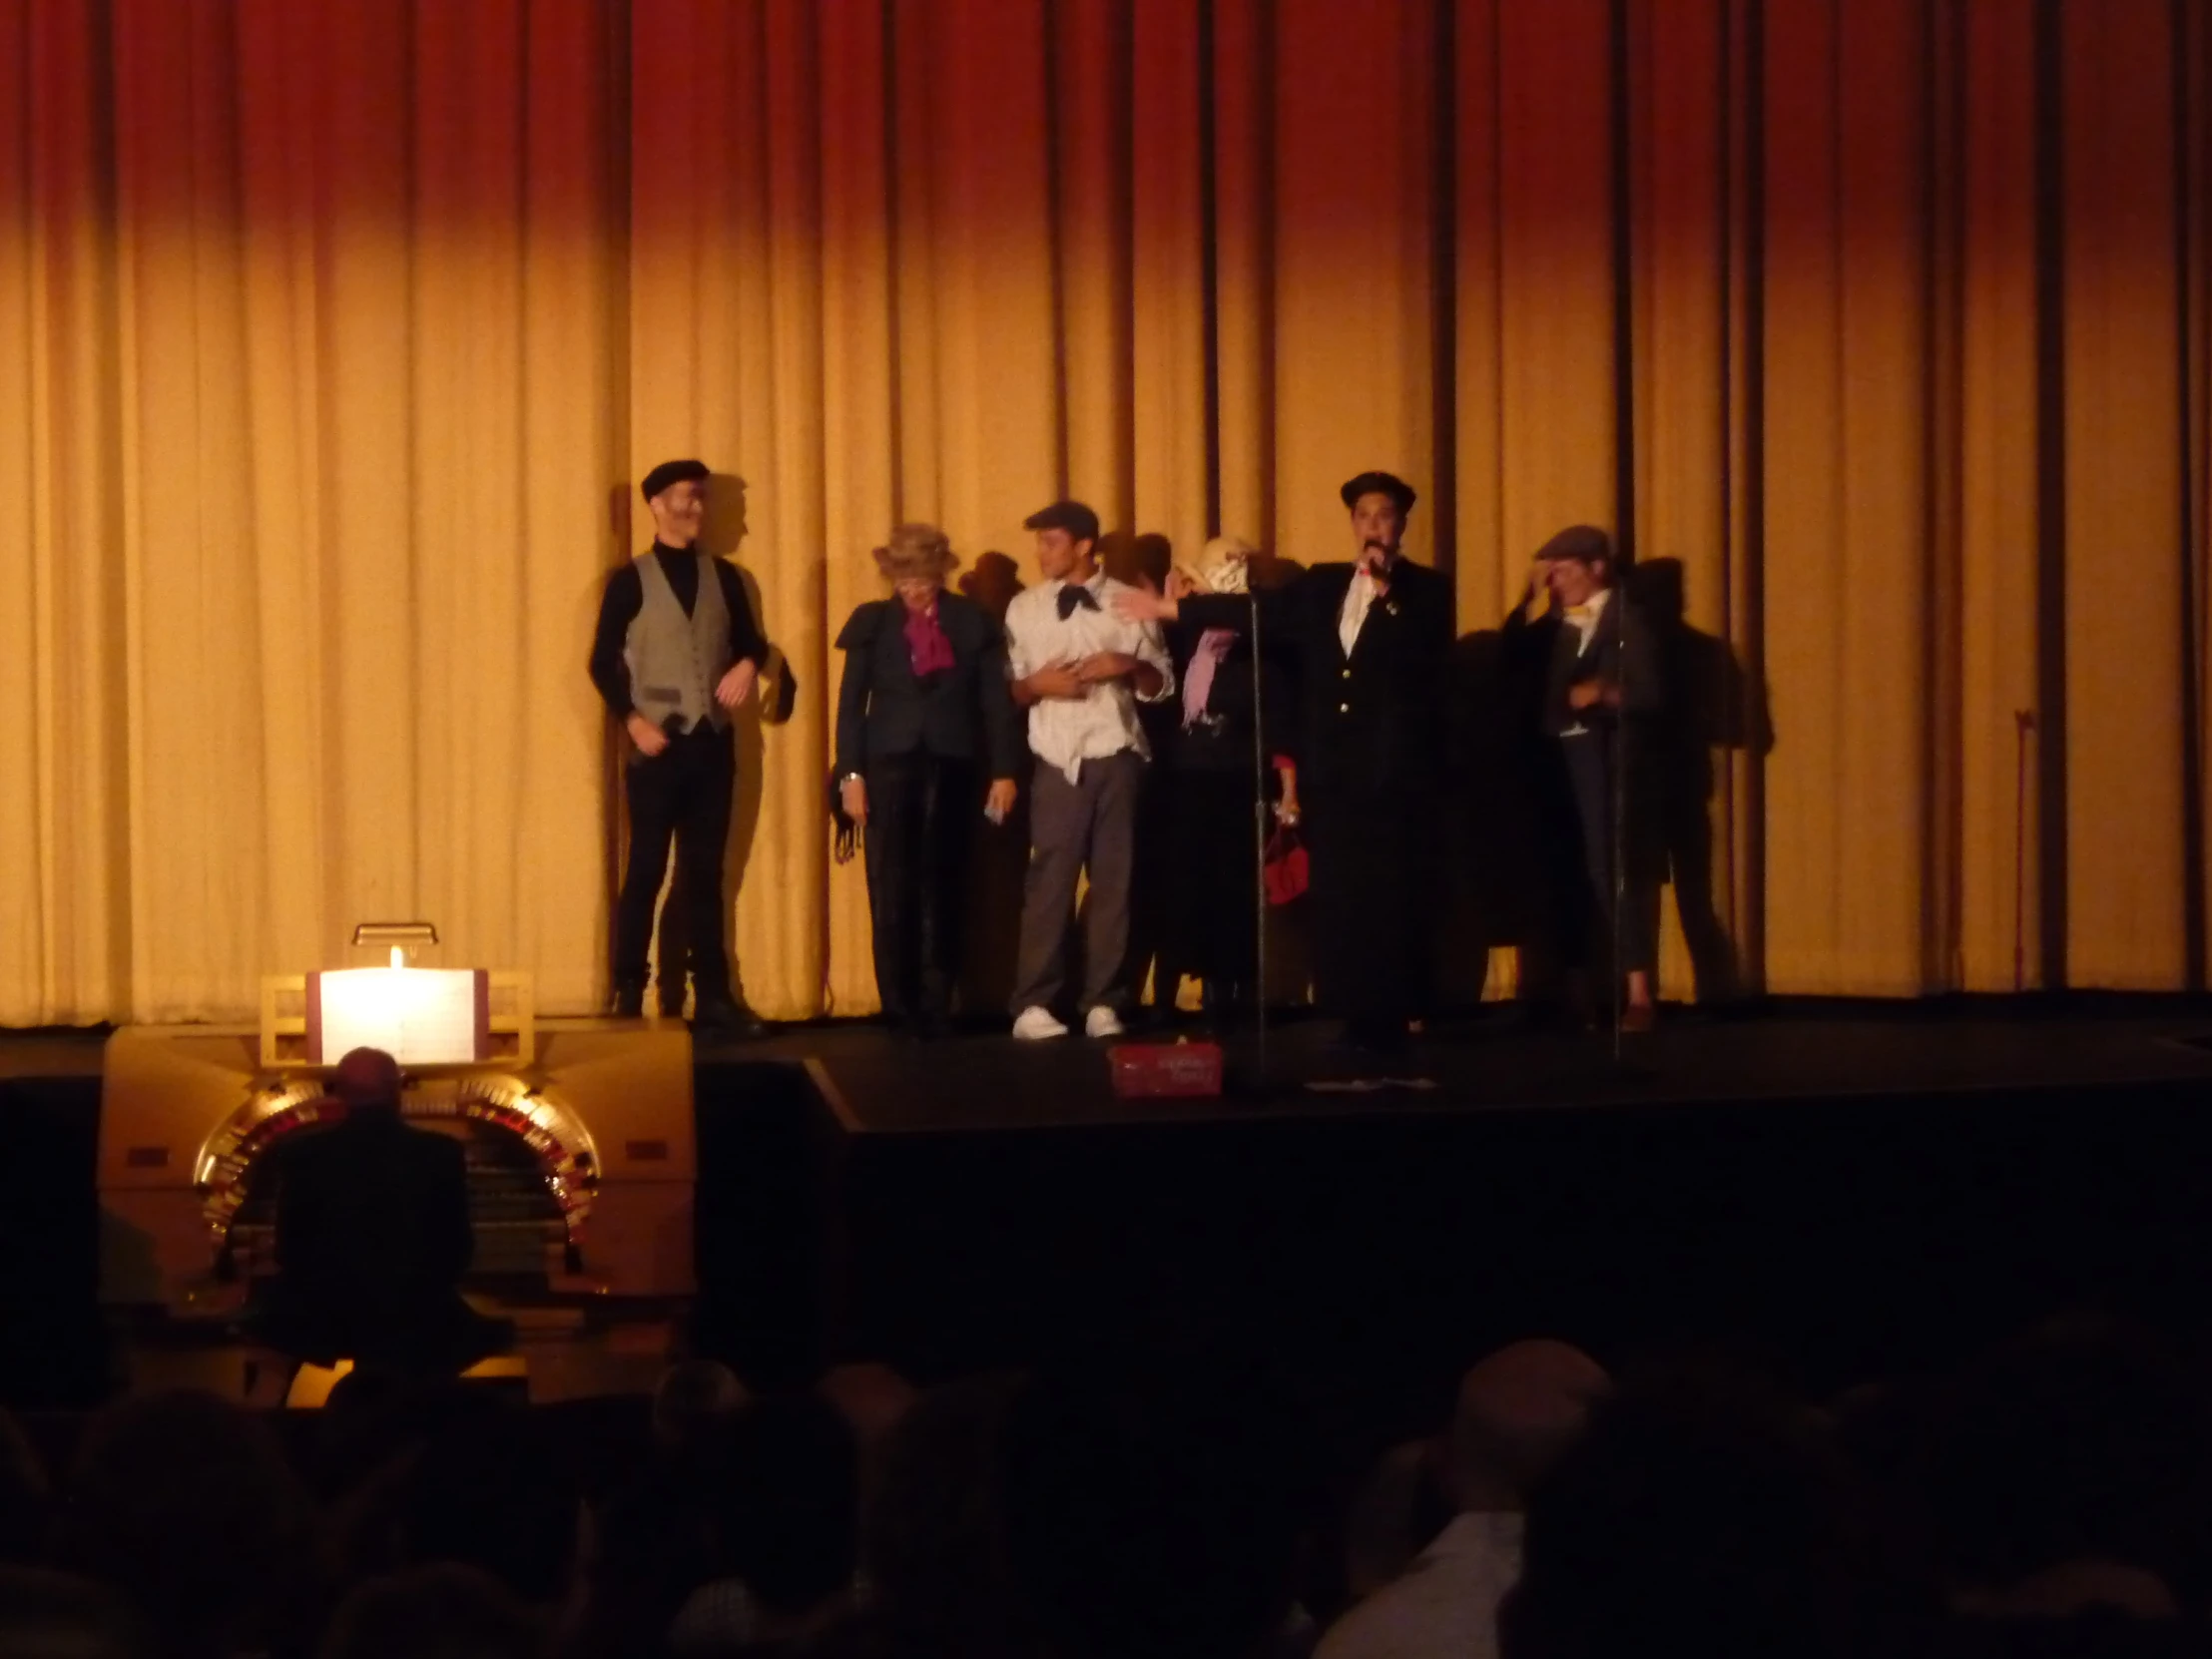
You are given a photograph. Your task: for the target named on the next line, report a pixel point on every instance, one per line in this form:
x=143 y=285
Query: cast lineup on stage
x=1327 y=690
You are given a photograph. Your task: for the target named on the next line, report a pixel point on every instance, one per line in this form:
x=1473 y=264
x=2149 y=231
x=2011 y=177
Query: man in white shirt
x=1079 y=669
x=1518 y=1410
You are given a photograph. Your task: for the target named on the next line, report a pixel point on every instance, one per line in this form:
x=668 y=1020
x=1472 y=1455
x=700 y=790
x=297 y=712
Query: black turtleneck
x=625 y=597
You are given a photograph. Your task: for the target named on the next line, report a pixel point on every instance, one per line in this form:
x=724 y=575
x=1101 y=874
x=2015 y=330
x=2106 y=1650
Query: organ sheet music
x=421 y=1016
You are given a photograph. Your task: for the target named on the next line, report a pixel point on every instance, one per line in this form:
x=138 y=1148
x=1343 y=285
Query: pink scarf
x=1198 y=679
x=926 y=647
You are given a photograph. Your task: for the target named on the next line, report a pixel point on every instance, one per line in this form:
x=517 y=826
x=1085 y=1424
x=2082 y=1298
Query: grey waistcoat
x=676 y=661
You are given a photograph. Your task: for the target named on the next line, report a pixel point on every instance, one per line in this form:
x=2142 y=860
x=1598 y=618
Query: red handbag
x=1286 y=865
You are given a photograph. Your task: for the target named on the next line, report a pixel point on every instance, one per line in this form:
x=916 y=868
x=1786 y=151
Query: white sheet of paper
x=420 y=1016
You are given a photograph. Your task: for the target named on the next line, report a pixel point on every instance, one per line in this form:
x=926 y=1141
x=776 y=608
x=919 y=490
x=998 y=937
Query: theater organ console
x=577 y=1136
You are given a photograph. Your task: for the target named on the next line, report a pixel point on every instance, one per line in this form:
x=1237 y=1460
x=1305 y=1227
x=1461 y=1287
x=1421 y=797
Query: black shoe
x=672 y=1001
x=628 y=1004
x=931 y=1028
x=720 y=1013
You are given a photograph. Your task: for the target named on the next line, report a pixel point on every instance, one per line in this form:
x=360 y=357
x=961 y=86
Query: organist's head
x=367 y=1080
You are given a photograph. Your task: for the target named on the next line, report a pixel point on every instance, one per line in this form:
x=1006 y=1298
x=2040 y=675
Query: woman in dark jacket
x=1225 y=726
x=923 y=720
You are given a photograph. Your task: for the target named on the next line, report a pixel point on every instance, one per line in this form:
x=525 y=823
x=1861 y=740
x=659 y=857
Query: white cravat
x=1358 y=598
x=1585 y=617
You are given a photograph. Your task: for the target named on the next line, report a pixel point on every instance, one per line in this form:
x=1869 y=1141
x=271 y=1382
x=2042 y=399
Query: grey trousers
x=1092 y=822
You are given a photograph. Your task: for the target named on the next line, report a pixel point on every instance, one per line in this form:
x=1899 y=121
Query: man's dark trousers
x=680 y=795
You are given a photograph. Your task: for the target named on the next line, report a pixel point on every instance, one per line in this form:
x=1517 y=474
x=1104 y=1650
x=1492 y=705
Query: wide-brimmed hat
x=916 y=550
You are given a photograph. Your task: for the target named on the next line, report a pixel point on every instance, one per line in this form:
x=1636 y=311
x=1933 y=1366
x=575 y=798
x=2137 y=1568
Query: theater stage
x=1842 y=1189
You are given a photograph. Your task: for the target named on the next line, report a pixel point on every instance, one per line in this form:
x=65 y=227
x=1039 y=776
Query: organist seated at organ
x=372 y=1239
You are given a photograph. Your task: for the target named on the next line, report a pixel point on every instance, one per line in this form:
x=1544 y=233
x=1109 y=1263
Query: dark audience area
x=2051 y=1498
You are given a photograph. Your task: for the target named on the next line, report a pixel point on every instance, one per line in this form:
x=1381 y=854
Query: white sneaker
x=1038 y=1024
x=1102 y=1021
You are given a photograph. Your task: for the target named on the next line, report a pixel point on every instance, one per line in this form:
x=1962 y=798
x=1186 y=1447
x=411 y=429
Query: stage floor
x=878 y=1084
x=981 y=1080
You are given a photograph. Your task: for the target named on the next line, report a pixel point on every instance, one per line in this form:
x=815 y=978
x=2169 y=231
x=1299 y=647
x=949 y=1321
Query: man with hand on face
x=1370 y=641
x=675 y=654
x=1602 y=696
x=1079 y=668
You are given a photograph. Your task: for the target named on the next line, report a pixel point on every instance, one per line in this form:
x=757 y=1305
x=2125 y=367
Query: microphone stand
x=1617 y=788
x=1258 y=845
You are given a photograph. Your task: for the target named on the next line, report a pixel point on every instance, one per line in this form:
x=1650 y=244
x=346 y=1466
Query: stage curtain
x=337 y=338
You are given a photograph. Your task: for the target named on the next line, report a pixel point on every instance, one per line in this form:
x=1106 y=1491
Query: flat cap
x=1379 y=483
x=1583 y=543
x=673 y=472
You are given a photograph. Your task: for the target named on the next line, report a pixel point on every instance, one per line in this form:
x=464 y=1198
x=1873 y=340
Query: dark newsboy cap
x=1072 y=516
x=1585 y=544
x=1379 y=483
x=673 y=472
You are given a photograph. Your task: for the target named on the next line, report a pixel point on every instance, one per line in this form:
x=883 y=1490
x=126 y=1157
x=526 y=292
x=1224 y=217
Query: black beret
x=1583 y=543
x=1072 y=516
x=673 y=472
x=1379 y=483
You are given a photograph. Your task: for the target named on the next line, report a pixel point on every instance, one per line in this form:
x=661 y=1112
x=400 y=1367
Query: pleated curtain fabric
x=337 y=336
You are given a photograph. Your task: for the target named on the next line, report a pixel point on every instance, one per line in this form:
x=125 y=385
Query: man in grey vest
x=676 y=652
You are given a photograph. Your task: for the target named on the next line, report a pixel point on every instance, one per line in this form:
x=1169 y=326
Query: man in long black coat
x=1369 y=640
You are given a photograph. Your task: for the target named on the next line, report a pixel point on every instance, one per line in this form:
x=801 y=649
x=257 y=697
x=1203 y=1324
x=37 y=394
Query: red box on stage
x=1144 y=1072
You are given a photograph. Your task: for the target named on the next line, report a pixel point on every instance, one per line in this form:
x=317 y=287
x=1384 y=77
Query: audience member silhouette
x=1150 y=1516
x=51 y=1615
x=932 y=1529
x=435 y=1612
x=184 y=1503
x=1697 y=1515
x=24 y=1497
x=1518 y=1411
x=2048 y=1504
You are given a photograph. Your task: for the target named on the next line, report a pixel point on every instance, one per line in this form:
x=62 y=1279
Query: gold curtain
x=337 y=336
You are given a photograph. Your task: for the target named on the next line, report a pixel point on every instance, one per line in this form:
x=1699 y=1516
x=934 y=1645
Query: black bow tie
x=1073 y=597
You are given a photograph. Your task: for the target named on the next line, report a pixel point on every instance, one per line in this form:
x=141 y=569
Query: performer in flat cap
x=676 y=652
x=926 y=742
x=1370 y=640
x=1602 y=697
x=1080 y=669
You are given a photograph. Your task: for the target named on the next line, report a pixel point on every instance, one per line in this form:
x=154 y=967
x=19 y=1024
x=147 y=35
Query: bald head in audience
x=1518 y=1410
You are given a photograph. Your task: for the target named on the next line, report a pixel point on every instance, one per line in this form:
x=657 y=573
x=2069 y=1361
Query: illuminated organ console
x=533 y=1171
x=578 y=1135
